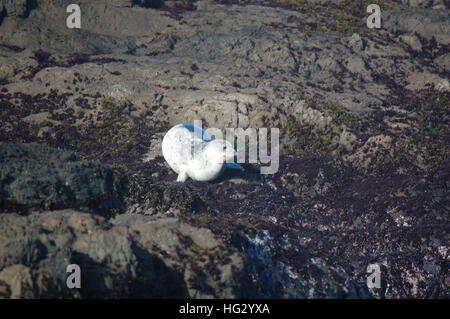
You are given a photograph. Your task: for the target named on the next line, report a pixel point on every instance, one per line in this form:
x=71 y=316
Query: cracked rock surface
x=364 y=166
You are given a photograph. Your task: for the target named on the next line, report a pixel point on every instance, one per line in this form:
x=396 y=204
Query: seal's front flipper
x=234 y=166
x=182 y=176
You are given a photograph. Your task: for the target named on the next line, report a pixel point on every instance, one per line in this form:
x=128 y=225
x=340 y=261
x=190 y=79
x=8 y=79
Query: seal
x=190 y=152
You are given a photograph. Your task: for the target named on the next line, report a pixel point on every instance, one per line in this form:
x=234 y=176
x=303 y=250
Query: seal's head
x=220 y=151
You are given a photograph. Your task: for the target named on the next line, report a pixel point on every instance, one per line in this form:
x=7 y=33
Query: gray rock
x=37 y=176
x=426 y=23
x=139 y=256
x=412 y=41
x=15 y=7
x=362 y=116
x=134 y=257
x=278 y=280
x=17 y=282
x=443 y=61
x=435 y=4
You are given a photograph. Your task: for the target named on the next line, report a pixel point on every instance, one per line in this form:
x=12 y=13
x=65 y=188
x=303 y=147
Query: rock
x=413 y=41
x=278 y=280
x=356 y=42
x=165 y=199
x=366 y=155
x=426 y=23
x=443 y=61
x=122 y=3
x=422 y=80
x=362 y=179
x=18 y=281
x=435 y=4
x=137 y=256
x=191 y=250
x=15 y=7
x=35 y=176
x=133 y=257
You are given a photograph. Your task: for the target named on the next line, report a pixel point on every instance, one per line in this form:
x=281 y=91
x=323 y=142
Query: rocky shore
x=364 y=172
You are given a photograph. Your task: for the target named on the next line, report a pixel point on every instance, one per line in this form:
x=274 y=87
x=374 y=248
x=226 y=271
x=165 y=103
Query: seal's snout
x=229 y=152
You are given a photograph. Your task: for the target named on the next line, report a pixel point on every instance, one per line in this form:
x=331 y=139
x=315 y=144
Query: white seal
x=190 y=152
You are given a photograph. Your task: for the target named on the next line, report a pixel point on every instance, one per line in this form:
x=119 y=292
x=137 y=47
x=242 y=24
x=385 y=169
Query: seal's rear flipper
x=234 y=166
